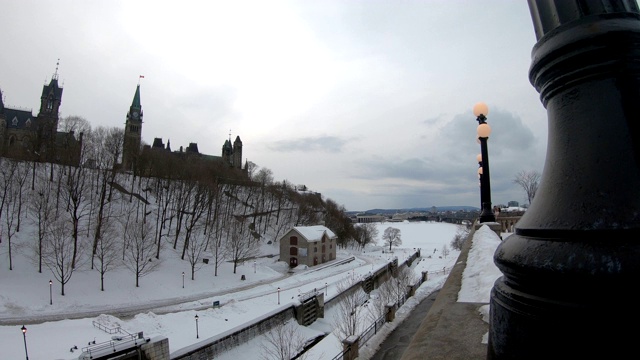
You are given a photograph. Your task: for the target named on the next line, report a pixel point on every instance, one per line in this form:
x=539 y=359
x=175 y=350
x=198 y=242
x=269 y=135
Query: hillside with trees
x=96 y=217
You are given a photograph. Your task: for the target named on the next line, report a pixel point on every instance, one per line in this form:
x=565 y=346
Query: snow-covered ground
x=165 y=308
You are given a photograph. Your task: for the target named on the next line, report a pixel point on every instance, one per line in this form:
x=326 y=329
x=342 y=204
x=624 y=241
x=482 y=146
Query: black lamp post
x=581 y=234
x=197 y=333
x=24 y=335
x=183 y=279
x=480 y=110
x=50 y=293
x=479 y=158
x=278 y=295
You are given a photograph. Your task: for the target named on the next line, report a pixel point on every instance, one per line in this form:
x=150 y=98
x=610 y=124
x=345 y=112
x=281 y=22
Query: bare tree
x=445 y=251
x=196 y=247
x=395 y=289
x=41 y=213
x=74 y=123
x=240 y=245
x=59 y=251
x=106 y=150
x=139 y=250
x=8 y=168
x=460 y=237
x=392 y=237
x=529 y=181
x=283 y=342
x=365 y=234
x=10 y=217
x=19 y=181
x=106 y=250
x=74 y=194
x=197 y=205
x=347 y=319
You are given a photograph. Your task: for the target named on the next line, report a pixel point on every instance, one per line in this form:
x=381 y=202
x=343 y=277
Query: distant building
x=134 y=154
x=513 y=204
x=308 y=245
x=36 y=138
x=368 y=218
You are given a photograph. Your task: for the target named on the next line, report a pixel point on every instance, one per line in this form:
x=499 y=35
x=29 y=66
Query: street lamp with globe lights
x=50 y=293
x=197 y=333
x=579 y=236
x=481 y=110
x=24 y=335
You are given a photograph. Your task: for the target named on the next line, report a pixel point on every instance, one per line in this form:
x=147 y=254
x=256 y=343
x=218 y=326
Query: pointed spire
x=55 y=74
x=136 y=98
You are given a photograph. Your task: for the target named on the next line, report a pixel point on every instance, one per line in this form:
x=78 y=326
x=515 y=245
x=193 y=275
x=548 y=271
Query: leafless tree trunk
x=21 y=177
x=240 y=245
x=139 y=247
x=74 y=195
x=59 y=251
x=529 y=181
x=445 y=251
x=395 y=289
x=283 y=342
x=106 y=250
x=197 y=246
x=42 y=213
x=197 y=206
x=392 y=237
x=347 y=320
x=10 y=220
x=8 y=168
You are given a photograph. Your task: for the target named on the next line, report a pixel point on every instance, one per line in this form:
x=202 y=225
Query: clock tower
x=132 y=133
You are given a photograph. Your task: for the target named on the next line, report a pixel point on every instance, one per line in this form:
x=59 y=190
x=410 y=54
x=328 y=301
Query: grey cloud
x=331 y=144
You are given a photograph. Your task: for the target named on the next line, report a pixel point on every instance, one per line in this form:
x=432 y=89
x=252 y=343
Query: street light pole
x=278 y=295
x=581 y=233
x=479 y=158
x=50 y=293
x=197 y=333
x=480 y=110
x=24 y=335
x=183 y=279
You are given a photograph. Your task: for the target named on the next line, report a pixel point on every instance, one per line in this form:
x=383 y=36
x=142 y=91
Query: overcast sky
x=367 y=102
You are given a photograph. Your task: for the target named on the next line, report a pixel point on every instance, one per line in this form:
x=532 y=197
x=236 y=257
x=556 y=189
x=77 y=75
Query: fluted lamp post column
x=571 y=269
x=479 y=158
x=24 y=336
x=481 y=110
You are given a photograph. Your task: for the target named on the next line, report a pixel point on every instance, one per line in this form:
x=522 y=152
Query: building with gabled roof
x=36 y=138
x=308 y=245
x=231 y=157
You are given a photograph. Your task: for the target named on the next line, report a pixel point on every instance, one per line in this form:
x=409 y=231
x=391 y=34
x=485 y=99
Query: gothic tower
x=3 y=124
x=237 y=153
x=48 y=117
x=227 y=152
x=132 y=133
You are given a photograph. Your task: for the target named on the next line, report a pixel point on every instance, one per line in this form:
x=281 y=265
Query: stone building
x=36 y=138
x=308 y=245
x=134 y=153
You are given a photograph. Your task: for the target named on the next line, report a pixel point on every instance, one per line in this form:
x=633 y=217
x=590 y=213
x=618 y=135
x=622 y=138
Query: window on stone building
x=293 y=240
